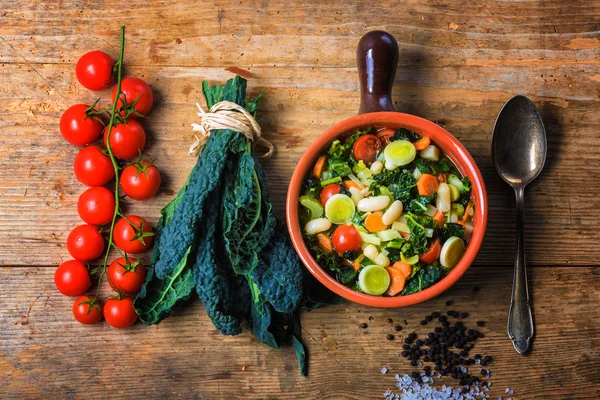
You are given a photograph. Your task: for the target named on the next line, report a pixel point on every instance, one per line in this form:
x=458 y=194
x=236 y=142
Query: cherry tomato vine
x=81 y=125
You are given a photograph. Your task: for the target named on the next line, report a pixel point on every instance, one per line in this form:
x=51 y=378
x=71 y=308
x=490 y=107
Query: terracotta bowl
x=377 y=61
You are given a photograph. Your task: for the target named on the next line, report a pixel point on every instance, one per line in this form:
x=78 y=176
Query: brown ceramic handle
x=377 y=58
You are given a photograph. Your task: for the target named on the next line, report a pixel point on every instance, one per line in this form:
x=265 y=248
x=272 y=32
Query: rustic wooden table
x=459 y=62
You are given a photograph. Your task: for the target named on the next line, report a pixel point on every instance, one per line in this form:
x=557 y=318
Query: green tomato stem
x=111 y=123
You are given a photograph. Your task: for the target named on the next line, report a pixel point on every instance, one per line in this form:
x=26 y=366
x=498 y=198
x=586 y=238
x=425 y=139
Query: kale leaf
x=422 y=279
x=418 y=240
x=450 y=229
x=419 y=205
x=404 y=134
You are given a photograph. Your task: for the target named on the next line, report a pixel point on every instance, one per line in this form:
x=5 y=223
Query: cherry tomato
x=94 y=70
x=384 y=135
x=79 y=128
x=127 y=140
x=92 y=167
x=119 y=313
x=85 y=243
x=140 y=182
x=432 y=253
x=328 y=191
x=127 y=276
x=87 y=310
x=346 y=238
x=96 y=206
x=366 y=148
x=135 y=88
x=133 y=234
x=72 y=278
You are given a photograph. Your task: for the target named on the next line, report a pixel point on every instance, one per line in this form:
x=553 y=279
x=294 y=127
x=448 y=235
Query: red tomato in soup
x=128 y=276
x=135 y=88
x=127 y=140
x=87 y=310
x=366 y=148
x=92 y=167
x=85 y=243
x=72 y=278
x=133 y=234
x=96 y=206
x=79 y=128
x=329 y=190
x=346 y=238
x=432 y=253
x=94 y=70
x=119 y=313
x=384 y=135
x=140 y=182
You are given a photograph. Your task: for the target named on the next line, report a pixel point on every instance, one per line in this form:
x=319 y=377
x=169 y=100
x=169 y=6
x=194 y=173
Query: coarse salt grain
x=384 y=370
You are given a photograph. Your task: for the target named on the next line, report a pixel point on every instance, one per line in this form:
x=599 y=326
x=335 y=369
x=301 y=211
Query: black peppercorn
x=413 y=363
x=435 y=314
x=405 y=347
x=449 y=303
x=363 y=326
x=423 y=322
x=390 y=321
x=404 y=354
x=389 y=336
x=480 y=323
x=428 y=318
x=397 y=328
x=464 y=315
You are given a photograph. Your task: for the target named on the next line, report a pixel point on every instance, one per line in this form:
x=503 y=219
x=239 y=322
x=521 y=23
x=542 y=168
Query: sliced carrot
x=439 y=217
x=324 y=242
x=403 y=267
x=422 y=143
x=374 y=223
x=467 y=211
x=397 y=281
x=427 y=185
x=319 y=166
x=348 y=183
x=432 y=253
x=441 y=177
x=357 y=262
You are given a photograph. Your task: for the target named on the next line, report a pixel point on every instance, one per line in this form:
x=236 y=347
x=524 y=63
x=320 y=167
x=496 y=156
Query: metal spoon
x=518 y=154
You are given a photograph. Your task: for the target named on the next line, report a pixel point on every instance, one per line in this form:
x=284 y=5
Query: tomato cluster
x=98 y=206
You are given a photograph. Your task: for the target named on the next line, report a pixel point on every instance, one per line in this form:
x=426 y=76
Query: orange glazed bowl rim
x=395 y=120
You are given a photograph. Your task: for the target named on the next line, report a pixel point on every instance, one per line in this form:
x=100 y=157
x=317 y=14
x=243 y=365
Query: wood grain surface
x=459 y=62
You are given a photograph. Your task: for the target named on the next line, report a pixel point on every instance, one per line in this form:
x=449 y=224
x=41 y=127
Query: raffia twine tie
x=228 y=115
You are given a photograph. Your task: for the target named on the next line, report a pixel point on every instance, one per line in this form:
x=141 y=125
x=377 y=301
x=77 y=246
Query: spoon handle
x=520 y=320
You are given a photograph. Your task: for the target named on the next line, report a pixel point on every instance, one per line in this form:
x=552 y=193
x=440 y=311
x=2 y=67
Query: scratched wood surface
x=459 y=62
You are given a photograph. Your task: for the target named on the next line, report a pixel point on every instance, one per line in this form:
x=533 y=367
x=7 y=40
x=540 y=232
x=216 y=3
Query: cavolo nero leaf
x=212 y=277
x=278 y=274
x=158 y=297
x=424 y=278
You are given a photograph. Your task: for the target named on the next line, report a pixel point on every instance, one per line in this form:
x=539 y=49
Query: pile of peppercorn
x=448 y=347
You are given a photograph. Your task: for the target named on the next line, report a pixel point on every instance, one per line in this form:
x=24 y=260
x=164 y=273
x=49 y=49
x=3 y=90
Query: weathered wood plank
x=236 y=33
x=45 y=353
x=38 y=191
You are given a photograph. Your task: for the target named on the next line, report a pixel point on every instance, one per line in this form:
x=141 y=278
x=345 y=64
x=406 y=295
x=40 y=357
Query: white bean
x=392 y=213
x=382 y=260
x=431 y=153
x=376 y=167
x=317 y=225
x=374 y=203
x=371 y=252
x=356 y=195
x=443 y=202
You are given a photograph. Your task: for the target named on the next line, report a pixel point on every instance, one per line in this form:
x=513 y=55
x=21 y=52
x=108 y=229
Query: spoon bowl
x=519 y=142
x=518 y=154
